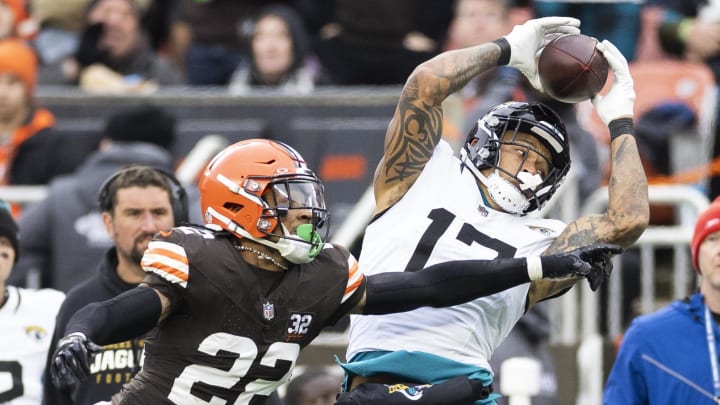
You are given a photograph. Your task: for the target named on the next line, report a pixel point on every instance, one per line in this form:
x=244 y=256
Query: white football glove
x=527 y=39
x=619 y=101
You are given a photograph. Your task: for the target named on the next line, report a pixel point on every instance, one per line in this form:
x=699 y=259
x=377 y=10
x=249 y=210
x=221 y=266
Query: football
x=572 y=69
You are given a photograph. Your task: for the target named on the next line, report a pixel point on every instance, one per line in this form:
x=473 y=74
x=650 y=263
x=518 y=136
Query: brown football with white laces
x=572 y=69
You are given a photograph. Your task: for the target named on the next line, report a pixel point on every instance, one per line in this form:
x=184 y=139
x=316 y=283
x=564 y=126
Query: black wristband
x=621 y=126
x=504 y=45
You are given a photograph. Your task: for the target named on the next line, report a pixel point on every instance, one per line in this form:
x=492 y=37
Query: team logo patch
x=542 y=230
x=35 y=332
x=414 y=393
x=268 y=311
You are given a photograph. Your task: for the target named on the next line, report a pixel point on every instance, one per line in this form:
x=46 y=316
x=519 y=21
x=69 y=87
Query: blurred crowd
x=295 y=46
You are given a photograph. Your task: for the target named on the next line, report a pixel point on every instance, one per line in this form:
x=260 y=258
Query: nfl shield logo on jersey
x=268 y=311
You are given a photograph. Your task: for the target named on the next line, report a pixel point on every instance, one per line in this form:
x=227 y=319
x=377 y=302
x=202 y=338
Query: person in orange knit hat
x=31 y=152
x=19 y=120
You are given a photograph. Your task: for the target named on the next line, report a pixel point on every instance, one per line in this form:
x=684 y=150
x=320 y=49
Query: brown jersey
x=235 y=331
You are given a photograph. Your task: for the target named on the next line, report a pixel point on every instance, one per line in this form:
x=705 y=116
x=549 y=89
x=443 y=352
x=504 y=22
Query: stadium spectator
x=511 y=163
x=615 y=20
x=25 y=130
x=64 y=234
x=114 y=54
x=58 y=36
x=62 y=18
x=157 y=20
x=14 y=20
x=27 y=134
x=209 y=38
x=231 y=305
x=314 y=386
x=280 y=55
x=60 y=24
x=27 y=319
x=136 y=203
x=378 y=42
x=670 y=356
x=690 y=30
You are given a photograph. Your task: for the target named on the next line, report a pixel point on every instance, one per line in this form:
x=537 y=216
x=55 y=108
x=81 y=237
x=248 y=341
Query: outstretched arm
x=452 y=283
x=127 y=316
x=628 y=211
x=415 y=128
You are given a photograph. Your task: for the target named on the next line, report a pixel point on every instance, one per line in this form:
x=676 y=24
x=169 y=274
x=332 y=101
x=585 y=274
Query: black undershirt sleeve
x=126 y=316
x=442 y=285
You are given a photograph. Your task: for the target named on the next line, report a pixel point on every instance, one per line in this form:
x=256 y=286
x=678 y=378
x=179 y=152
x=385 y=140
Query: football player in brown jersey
x=229 y=306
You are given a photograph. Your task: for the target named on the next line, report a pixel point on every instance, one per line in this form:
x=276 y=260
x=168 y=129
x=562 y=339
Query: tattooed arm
x=623 y=222
x=415 y=128
x=628 y=211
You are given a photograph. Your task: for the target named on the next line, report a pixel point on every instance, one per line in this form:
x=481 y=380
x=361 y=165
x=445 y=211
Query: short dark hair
x=133 y=176
x=142 y=123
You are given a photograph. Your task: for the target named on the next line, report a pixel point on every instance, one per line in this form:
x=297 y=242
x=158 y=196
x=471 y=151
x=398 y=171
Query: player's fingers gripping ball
x=527 y=39
x=620 y=99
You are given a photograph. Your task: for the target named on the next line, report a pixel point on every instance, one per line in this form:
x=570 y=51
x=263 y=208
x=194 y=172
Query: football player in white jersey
x=27 y=319
x=432 y=207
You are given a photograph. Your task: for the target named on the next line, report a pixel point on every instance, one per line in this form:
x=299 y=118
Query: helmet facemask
x=282 y=196
x=502 y=126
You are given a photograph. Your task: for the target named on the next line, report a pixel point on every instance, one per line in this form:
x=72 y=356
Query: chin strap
x=505 y=194
x=499 y=190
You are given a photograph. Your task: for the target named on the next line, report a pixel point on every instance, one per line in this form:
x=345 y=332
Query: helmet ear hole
x=491 y=152
x=233 y=206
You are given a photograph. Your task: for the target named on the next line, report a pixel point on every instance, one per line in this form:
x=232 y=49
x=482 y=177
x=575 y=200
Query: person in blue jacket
x=671 y=356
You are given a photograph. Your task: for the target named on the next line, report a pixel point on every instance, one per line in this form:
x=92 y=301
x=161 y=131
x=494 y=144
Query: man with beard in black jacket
x=136 y=202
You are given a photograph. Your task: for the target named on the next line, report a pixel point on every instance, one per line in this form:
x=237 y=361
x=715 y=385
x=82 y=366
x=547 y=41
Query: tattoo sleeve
x=416 y=127
x=625 y=219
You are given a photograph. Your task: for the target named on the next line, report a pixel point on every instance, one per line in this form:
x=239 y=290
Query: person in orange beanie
x=19 y=121
x=26 y=136
x=19 y=59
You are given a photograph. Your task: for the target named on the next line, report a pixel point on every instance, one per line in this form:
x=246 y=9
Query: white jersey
x=27 y=321
x=441 y=218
